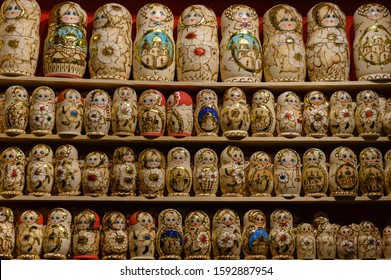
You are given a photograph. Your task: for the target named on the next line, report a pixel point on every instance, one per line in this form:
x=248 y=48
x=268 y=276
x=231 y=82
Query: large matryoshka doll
x=255 y=237
x=260 y=178
x=86 y=235
x=7 y=233
x=17 y=109
x=368 y=114
x=371 y=172
x=178 y=173
x=152 y=113
x=287 y=173
x=124 y=111
x=142 y=234
x=206 y=115
x=151 y=173
x=179 y=114
x=69 y=113
x=169 y=242
x=206 y=172
x=316 y=114
x=282 y=236
x=114 y=236
x=123 y=176
x=97 y=117
x=96 y=174
x=197 y=241
x=342 y=119
x=263 y=113
x=289 y=115
x=42 y=111
x=67 y=171
x=315 y=177
x=12 y=175
x=29 y=235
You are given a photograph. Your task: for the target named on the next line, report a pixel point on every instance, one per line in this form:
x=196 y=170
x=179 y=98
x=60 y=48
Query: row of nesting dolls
x=87 y=238
x=234 y=176
x=197 y=53
x=370 y=115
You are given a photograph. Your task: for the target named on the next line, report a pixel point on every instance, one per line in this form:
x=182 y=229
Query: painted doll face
x=73 y=96
x=244 y=15
x=387 y=231
x=61 y=152
x=316 y=99
x=93 y=160
x=21 y=95
x=234 y=95
x=192 y=18
x=313 y=158
x=153 y=161
x=227 y=219
x=128 y=156
x=171 y=219
x=40 y=152
x=13 y=10
x=370 y=158
x=347 y=155
x=57 y=217
x=344 y=97
x=70 y=16
x=330 y=19
x=145 y=219
x=368 y=97
x=288 y=22
x=44 y=95
x=29 y=217
x=125 y=94
x=259 y=220
x=83 y=222
x=149 y=100
x=9 y=156
x=260 y=98
x=306 y=228
x=346 y=231
x=100 y=100
x=237 y=155
x=207 y=158
x=263 y=159
x=195 y=221
x=119 y=223
x=292 y=100
x=375 y=12
x=207 y=98
x=100 y=19
x=157 y=14
x=179 y=157
x=282 y=218
x=289 y=160
x=3 y=215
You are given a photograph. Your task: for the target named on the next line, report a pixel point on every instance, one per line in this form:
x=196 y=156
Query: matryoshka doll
x=327 y=46
x=315 y=114
x=283 y=45
x=289 y=116
x=260 y=178
x=19 y=33
x=346 y=243
x=67 y=171
x=386 y=122
x=263 y=114
x=255 y=238
x=114 y=236
x=197 y=45
x=124 y=111
x=96 y=174
x=57 y=234
x=151 y=173
x=387 y=242
x=206 y=115
x=142 y=234
x=306 y=242
x=387 y=171
x=368 y=114
x=342 y=119
x=42 y=111
x=372 y=25
x=315 y=177
x=2 y=111
x=97 y=115
x=154 y=46
x=287 y=173
x=326 y=247
x=235 y=114
x=40 y=171
x=7 y=233
x=206 y=172
x=152 y=113
x=178 y=173
x=169 y=243
x=12 y=175
x=226 y=235
x=29 y=235
x=240 y=47
x=16 y=110
x=179 y=114
x=86 y=235
x=282 y=237
x=371 y=172
x=65 y=49
x=367 y=241
x=197 y=241
x=69 y=113
x=110 y=49
x=123 y=175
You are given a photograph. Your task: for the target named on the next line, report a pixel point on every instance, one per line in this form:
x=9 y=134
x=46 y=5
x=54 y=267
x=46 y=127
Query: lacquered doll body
x=342 y=119
x=114 y=236
x=306 y=242
x=86 y=235
x=124 y=172
x=178 y=173
x=142 y=234
x=371 y=172
x=206 y=115
x=69 y=113
x=16 y=110
x=263 y=114
x=42 y=111
x=29 y=234
x=289 y=115
x=316 y=114
x=7 y=234
x=287 y=173
x=151 y=173
x=315 y=177
x=12 y=175
x=97 y=117
x=368 y=115
x=96 y=174
x=260 y=178
x=124 y=111
x=197 y=239
x=367 y=241
x=179 y=114
x=282 y=237
x=255 y=237
x=205 y=173
x=67 y=171
x=169 y=243
x=326 y=247
x=152 y=113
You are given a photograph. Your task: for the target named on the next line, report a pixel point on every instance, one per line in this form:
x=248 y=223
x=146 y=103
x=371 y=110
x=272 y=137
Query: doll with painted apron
x=16 y=110
x=282 y=236
x=142 y=234
x=316 y=114
x=152 y=113
x=178 y=173
x=179 y=114
x=151 y=173
x=7 y=233
x=342 y=119
x=67 y=171
x=206 y=114
x=169 y=243
x=287 y=173
x=306 y=242
x=371 y=172
x=114 y=236
x=12 y=175
x=206 y=172
x=315 y=177
x=29 y=235
x=86 y=235
x=263 y=114
x=367 y=241
x=124 y=111
x=197 y=241
x=346 y=243
x=97 y=117
x=96 y=174
x=326 y=247
x=260 y=178
x=289 y=115
x=255 y=237
x=368 y=114
x=69 y=113
x=123 y=177
x=42 y=111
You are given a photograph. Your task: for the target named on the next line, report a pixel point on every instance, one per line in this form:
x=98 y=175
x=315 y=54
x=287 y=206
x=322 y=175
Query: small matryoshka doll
x=40 y=171
x=386 y=122
x=86 y=235
x=97 y=115
x=19 y=33
x=260 y=178
x=7 y=233
x=12 y=173
x=69 y=112
x=226 y=235
x=114 y=236
x=178 y=173
x=179 y=114
x=197 y=242
x=346 y=243
x=315 y=177
x=206 y=115
x=142 y=234
x=96 y=174
x=387 y=171
x=326 y=247
x=151 y=173
x=372 y=24
x=316 y=114
x=154 y=46
x=124 y=111
x=283 y=45
x=343 y=172
x=282 y=236
x=169 y=242
x=67 y=171
x=197 y=45
x=2 y=111
x=65 y=49
x=16 y=110
x=110 y=49
x=206 y=172
x=342 y=120
x=235 y=114
x=255 y=238
x=29 y=235
x=42 y=111
x=289 y=115
x=371 y=172
x=387 y=242
x=57 y=234
x=306 y=242
x=327 y=46
x=367 y=241
x=240 y=47
x=287 y=173
x=368 y=114
x=123 y=175
x=263 y=114
x=152 y=113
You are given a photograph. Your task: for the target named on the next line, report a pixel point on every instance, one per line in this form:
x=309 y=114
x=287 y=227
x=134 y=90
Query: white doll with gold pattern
x=16 y=110
x=142 y=234
x=152 y=113
x=326 y=247
x=289 y=115
x=179 y=114
x=387 y=171
x=316 y=114
x=12 y=175
x=96 y=174
x=114 y=236
x=67 y=171
x=387 y=242
x=306 y=242
x=368 y=114
x=123 y=176
x=255 y=237
x=206 y=172
x=29 y=234
x=287 y=173
x=367 y=241
x=386 y=117
x=342 y=119
x=151 y=173
x=7 y=233
x=97 y=115
x=169 y=243
x=42 y=111
x=371 y=172
x=260 y=178
x=263 y=114
x=178 y=173
x=282 y=236
x=69 y=112
x=124 y=111
x=315 y=177
x=86 y=235
x=197 y=241
x=346 y=243
x=206 y=115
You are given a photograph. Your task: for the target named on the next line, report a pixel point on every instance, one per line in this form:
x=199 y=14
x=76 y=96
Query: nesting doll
x=368 y=115
x=110 y=49
x=287 y=173
x=40 y=170
x=289 y=115
x=86 y=235
x=154 y=46
x=178 y=173
x=16 y=110
x=327 y=46
x=346 y=243
x=235 y=114
x=343 y=172
x=232 y=171
x=42 y=111
x=342 y=119
x=7 y=233
x=372 y=25
x=2 y=111
x=206 y=172
x=96 y=174
x=124 y=111
x=65 y=47
x=69 y=113
x=206 y=115
x=12 y=175
x=226 y=235
x=123 y=175
x=371 y=172
x=283 y=45
x=57 y=234
x=356 y=230
x=240 y=47
x=67 y=171
x=260 y=178
x=387 y=171
x=386 y=122
x=326 y=247
x=379 y=244
x=262 y=114
x=19 y=30
x=29 y=235
x=367 y=241
x=197 y=240
x=255 y=237
x=151 y=173
x=315 y=177
x=152 y=113
x=306 y=242
x=169 y=243
x=97 y=115
x=282 y=237
x=142 y=234
x=114 y=236
x=179 y=114
x=316 y=114
x=387 y=242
